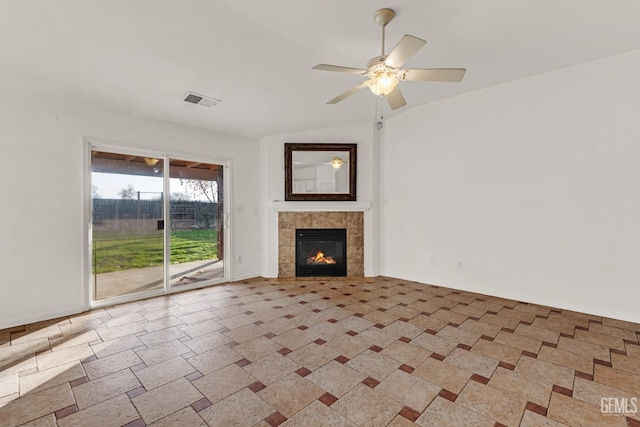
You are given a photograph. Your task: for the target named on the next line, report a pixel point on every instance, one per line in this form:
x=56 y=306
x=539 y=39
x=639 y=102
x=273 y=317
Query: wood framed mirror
x=320 y=172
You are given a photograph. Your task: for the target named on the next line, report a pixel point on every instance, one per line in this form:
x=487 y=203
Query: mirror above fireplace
x=318 y=172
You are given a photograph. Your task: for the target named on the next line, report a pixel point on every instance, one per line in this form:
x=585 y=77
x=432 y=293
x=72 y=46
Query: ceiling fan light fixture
x=384 y=83
x=150 y=161
x=336 y=162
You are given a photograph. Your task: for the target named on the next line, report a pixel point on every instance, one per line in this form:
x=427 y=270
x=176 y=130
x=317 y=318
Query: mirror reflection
x=320 y=172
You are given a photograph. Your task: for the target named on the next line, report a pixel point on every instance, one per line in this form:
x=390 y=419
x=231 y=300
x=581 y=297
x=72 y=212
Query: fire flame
x=319 y=258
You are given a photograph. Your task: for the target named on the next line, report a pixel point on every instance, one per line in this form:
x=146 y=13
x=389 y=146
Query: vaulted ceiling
x=140 y=57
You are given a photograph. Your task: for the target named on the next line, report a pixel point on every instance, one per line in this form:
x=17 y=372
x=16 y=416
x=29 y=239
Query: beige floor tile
x=409 y=390
x=336 y=378
x=435 y=344
x=46 y=421
x=374 y=365
x=576 y=413
x=617 y=379
x=224 y=382
x=521 y=342
x=400 y=421
x=61 y=357
x=459 y=335
x=444 y=375
x=9 y=385
x=108 y=334
x=517 y=315
x=503 y=322
x=539 y=333
x=246 y=333
x=291 y=394
x=50 y=377
x=17 y=351
x=495 y=404
x=114 y=412
x=197 y=317
x=480 y=328
x=184 y=417
x=621 y=324
x=36 y=405
x=124 y=319
x=406 y=353
x=164 y=372
x=497 y=351
x=354 y=323
x=625 y=363
x=404 y=329
x=165 y=400
x=600 y=339
x=162 y=336
x=554 y=325
x=279 y=326
x=293 y=339
x=593 y=392
x=162 y=352
x=104 y=388
x=162 y=323
x=613 y=331
x=110 y=364
x=257 y=348
x=10 y=367
x=73 y=340
x=104 y=349
x=532 y=419
x=349 y=346
x=531 y=389
x=35 y=333
x=243 y=408
x=318 y=414
x=473 y=362
x=533 y=308
x=367 y=406
x=545 y=371
x=215 y=359
x=445 y=413
x=271 y=368
x=428 y=322
x=633 y=351
x=450 y=316
x=577 y=362
x=379 y=337
x=312 y=356
x=75 y=328
x=584 y=348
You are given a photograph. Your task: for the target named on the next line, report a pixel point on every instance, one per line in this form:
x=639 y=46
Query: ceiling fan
x=384 y=71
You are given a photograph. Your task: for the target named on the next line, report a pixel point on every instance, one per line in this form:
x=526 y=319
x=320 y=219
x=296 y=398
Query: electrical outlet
x=432 y=260
x=460 y=265
x=238 y=259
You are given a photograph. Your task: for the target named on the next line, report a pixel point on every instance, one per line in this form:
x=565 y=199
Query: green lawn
x=117 y=253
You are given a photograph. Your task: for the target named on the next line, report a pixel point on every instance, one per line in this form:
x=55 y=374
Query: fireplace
x=321 y=252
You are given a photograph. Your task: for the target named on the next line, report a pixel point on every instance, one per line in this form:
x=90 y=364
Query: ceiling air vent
x=202 y=100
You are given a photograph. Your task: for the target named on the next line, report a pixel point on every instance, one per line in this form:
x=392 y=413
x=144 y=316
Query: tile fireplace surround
x=289 y=221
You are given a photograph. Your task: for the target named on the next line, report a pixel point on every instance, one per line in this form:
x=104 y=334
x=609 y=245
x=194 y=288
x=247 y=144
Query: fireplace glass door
x=321 y=252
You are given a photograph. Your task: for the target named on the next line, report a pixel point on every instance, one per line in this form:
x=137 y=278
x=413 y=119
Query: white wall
x=272 y=186
x=41 y=182
x=533 y=185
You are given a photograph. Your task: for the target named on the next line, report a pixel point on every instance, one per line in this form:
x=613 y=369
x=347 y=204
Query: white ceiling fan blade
x=339 y=69
x=433 y=74
x=348 y=93
x=395 y=99
x=405 y=49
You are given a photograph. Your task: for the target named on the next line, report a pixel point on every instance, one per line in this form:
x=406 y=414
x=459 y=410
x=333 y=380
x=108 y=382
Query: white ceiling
x=141 y=56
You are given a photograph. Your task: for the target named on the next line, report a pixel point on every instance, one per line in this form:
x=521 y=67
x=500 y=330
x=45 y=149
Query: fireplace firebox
x=321 y=252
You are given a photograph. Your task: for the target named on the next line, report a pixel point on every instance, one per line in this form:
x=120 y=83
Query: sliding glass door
x=196 y=222
x=157 y=224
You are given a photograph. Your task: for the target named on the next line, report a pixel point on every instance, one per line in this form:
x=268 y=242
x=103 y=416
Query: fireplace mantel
x=359 y=206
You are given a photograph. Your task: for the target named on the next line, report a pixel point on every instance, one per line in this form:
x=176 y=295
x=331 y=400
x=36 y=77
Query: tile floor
x=383 y=352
